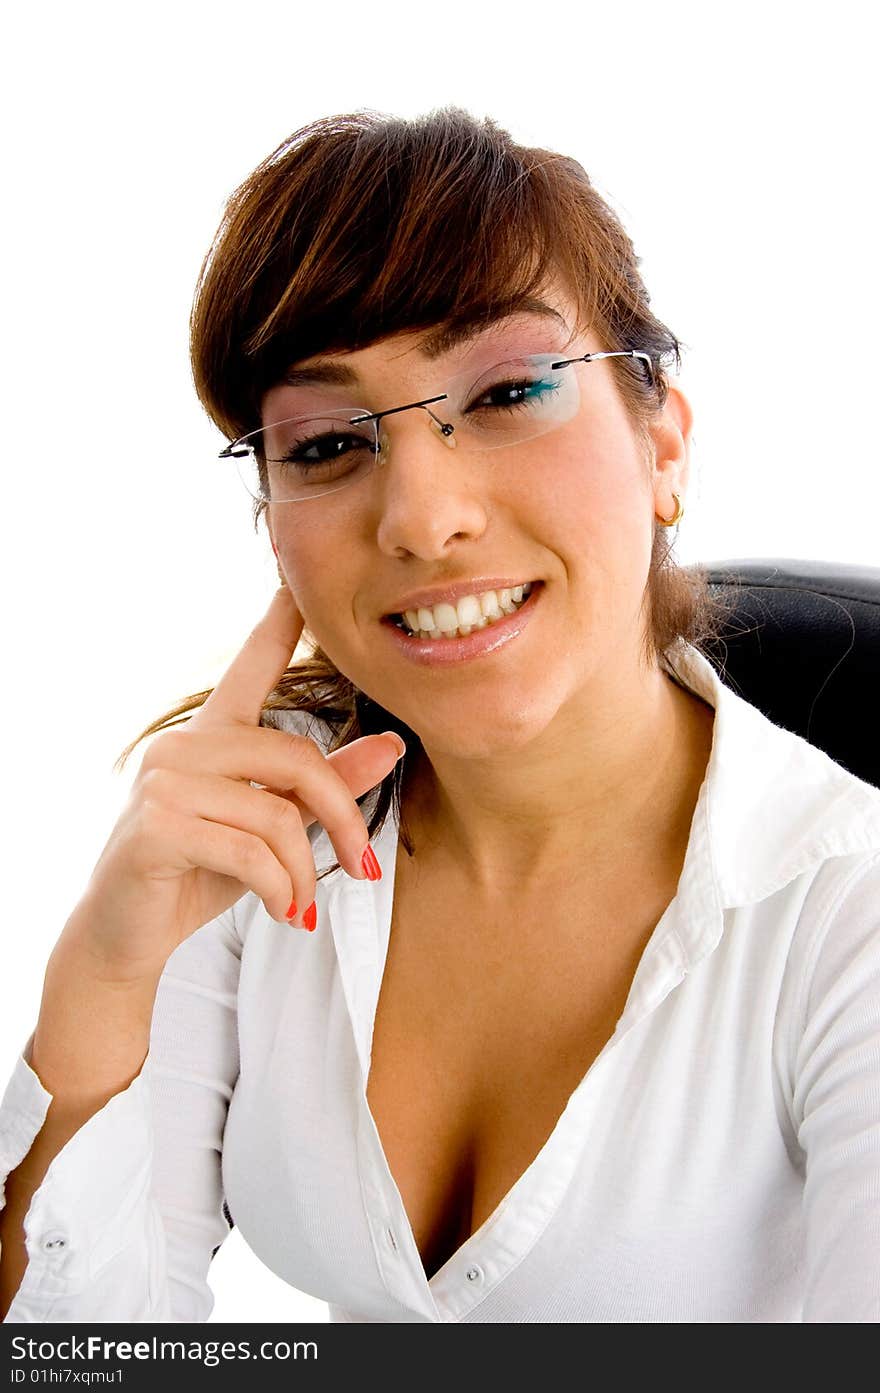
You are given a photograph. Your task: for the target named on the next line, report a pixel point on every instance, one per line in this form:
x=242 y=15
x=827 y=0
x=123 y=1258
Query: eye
x=319 y=449
x=325 y=449
x=515 y=392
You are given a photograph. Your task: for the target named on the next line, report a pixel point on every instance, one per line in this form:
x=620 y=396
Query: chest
x=488 y=1018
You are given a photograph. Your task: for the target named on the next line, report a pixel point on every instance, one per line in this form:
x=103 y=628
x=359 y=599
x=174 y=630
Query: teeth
x=446 y=617
x=469 y=613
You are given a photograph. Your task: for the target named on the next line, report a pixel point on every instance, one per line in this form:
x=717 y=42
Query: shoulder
x=777 y=806
x=843 y=948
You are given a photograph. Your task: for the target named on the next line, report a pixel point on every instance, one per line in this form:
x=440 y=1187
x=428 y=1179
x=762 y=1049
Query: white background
x=739 y=147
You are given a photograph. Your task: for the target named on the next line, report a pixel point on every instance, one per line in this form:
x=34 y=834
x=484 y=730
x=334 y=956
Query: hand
x=194 y=835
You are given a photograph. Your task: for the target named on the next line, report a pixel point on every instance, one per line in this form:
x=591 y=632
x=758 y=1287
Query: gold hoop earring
x=679 y=514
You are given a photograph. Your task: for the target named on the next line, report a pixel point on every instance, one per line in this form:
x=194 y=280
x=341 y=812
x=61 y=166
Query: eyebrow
x=433 y=345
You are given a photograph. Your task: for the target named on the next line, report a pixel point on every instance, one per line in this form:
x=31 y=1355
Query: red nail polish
x=372 y=869
x=292 y=911
x=310 y=917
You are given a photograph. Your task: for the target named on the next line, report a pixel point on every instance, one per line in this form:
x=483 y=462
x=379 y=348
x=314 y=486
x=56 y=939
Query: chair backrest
x=803 y=644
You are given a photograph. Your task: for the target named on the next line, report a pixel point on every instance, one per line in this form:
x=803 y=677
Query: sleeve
x=837 y=1105
x=131 y=1210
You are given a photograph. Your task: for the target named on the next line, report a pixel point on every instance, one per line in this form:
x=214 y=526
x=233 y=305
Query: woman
x=581 y=1024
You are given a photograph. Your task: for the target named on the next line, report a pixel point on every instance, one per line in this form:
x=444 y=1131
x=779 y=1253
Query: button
x=474 y=1274
x=54 y=1242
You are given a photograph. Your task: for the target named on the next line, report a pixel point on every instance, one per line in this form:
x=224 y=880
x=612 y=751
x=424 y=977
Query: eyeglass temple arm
x=618 y=353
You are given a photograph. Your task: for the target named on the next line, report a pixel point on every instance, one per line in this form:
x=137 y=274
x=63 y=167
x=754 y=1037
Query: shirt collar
x=774 y=804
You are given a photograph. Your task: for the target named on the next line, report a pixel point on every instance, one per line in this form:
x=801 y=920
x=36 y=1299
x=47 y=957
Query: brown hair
x=365 y=225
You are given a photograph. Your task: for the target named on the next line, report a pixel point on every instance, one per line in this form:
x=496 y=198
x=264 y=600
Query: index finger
x=266 y=653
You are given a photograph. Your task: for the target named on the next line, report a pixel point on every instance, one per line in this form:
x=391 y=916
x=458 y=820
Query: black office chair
x=803 y=645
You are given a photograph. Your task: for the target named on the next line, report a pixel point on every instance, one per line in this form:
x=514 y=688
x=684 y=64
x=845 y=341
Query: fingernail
x=400 y=742
x=371 y=867
x=310 y=917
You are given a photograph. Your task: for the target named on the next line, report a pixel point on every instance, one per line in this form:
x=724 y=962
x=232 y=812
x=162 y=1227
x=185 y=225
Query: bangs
x=361 y=227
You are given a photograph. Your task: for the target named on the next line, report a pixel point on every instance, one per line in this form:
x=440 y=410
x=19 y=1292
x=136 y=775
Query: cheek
x=311 y=566
x=594 y=483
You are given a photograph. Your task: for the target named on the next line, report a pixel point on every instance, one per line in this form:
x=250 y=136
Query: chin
x=509 y=727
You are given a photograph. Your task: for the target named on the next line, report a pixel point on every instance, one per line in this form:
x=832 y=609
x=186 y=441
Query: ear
x=671 y=436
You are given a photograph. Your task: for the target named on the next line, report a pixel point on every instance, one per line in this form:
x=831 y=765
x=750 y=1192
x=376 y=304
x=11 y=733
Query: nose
x=427 y=496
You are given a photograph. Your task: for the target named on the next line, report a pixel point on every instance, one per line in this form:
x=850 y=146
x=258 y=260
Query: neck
x=607 y=782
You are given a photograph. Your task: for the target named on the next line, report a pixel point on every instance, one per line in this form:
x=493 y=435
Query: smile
x=448 y=643
x=467 y=614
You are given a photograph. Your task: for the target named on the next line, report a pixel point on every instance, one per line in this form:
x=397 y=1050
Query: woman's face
x=572 y=509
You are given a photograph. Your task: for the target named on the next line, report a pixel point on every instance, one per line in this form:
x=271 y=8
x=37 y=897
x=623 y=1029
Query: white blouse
x=718 y=1162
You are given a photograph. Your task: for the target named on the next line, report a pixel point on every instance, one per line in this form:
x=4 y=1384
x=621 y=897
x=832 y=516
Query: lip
x=440 y=652
x=476 y=585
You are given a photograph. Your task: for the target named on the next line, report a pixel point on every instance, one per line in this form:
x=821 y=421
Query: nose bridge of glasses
x=378 y=416
x=435 y=418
